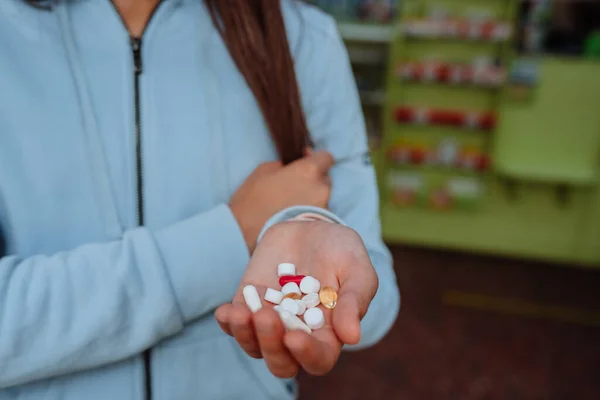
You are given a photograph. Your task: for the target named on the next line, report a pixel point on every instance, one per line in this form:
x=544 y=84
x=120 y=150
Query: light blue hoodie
x=84 y=290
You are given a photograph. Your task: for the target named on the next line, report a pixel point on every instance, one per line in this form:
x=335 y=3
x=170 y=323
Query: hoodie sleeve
x=2 y=245
x=101 y=303
x=336 y=123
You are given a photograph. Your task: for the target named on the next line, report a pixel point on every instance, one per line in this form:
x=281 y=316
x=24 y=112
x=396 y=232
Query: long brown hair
x=254 y=32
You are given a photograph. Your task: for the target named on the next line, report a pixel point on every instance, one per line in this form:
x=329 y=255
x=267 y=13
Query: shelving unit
x=536 y=194
x=529 y=186
x=445 y=69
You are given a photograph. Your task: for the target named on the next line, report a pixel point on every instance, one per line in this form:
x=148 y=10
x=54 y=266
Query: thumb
x=356 y=293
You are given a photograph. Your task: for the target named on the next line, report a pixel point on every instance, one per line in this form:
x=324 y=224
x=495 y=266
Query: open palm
x=333 y=254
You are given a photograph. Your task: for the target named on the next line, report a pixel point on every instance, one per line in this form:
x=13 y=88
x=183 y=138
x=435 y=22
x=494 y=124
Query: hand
x=273 y=187
x=333 y=254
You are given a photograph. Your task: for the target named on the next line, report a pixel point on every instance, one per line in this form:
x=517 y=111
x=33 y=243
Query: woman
x=144 y=147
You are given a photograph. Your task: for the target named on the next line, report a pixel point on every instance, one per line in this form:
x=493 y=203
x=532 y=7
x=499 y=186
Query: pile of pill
x=300 y=295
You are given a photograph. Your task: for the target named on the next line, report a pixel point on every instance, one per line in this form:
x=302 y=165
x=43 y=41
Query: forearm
x=104 y=302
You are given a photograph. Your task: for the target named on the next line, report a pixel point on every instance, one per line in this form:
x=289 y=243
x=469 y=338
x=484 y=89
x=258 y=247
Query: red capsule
x=290 y=278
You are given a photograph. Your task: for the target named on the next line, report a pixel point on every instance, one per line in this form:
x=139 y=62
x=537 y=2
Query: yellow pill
x=328 y=297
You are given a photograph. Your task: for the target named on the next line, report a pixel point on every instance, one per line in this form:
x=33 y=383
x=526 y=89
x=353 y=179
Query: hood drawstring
x=102 y=185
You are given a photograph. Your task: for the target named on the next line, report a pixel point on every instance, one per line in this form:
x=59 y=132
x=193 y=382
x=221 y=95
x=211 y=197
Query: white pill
x=273 y=296
x=310 y=285
x=276 y=308
x=290 y=287
x=252 y=298
x=301 y=307
x=311 y=300
x=286 y=269
x=314 y=318
x=292 y=322
x=290 y=305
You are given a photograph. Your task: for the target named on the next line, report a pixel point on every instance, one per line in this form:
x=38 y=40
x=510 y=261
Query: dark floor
x=441 y=351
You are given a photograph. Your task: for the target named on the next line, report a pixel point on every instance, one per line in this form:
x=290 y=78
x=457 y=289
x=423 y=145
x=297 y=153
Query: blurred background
x=484 y=125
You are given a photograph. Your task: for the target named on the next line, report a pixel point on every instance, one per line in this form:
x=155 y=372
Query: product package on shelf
x=484 y=121
x=480 y=72
x=463 y=29
x=447 y=154
x=420 y=190
x=522 y=79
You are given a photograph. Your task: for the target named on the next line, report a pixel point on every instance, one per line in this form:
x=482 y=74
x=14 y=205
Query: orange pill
x=293 y=295
x=328 y=297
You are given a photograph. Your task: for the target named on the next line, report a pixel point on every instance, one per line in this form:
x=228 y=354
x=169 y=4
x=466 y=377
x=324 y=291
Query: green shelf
x=367 y=32
x=555 y=137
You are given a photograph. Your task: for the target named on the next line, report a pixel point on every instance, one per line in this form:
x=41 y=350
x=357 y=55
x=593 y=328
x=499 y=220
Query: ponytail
x=254 y=33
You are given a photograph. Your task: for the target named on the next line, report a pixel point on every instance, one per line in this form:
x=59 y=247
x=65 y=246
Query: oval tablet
x=252 y=298
x=328 y=297
x=293 y=323
x=301 y=307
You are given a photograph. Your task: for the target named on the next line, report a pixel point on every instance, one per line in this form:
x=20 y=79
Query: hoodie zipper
x=138 y=69
x=136 y=49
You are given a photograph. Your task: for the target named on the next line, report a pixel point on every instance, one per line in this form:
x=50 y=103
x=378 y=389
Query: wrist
x=311 y=217
x=304 y=213
x=248 y=226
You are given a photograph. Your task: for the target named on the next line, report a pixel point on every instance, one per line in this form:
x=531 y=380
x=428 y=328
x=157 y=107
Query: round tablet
x=310 y=285
x=286 y=269
x=273 y=296
x=311 y=300
x=290 y=305
x=314 y=318
x=290 y=288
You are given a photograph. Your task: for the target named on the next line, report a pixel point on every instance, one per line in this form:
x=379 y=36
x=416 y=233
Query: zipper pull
x=136 y=47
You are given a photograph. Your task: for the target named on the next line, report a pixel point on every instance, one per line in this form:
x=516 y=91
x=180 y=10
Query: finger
x=356 y=293
x=317 y=357
x=243 y=330
x=269 y=167
x=323 y=160
x=346 y=319
x=270 y=332
x=318 y=162
x=222 y=315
